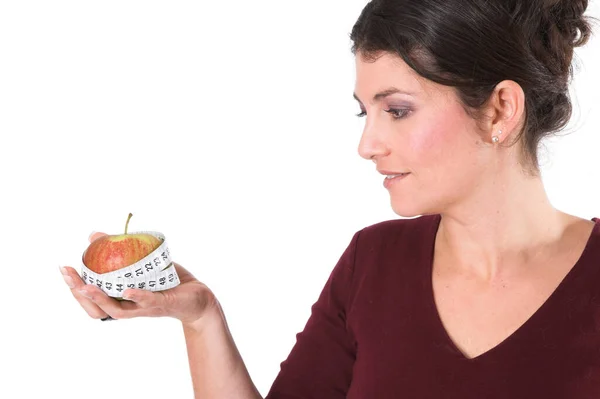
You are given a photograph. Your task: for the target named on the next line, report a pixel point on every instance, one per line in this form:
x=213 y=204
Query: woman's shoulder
x=392 y=251
x=397 y=238
x=401 y=229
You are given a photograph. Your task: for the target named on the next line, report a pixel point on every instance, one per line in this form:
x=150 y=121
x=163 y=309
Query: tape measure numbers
x=155 y=272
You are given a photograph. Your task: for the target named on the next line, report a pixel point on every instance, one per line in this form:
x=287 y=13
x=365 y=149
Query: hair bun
x=472 y=45
x=567 y=16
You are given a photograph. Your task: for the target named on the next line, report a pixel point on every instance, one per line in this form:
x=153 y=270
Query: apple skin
x=114 y=252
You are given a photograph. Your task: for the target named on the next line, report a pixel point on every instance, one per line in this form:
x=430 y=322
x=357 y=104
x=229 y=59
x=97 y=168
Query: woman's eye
x=398 y=113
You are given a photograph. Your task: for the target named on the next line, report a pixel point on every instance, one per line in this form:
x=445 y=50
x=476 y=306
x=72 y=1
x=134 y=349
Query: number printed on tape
x=155 y=272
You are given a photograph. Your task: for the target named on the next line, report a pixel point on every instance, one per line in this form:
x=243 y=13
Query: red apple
x=113 y=252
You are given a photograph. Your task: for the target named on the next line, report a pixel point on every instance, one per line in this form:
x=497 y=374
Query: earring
x=496 y=139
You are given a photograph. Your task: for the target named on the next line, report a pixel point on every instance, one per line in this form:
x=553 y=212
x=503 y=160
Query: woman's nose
x=371 y=145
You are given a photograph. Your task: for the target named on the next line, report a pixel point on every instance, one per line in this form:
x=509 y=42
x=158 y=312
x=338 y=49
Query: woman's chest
x=478 y=317
x=404 y=350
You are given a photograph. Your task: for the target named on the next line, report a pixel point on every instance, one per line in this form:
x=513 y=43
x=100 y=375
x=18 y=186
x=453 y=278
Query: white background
x=228 y=126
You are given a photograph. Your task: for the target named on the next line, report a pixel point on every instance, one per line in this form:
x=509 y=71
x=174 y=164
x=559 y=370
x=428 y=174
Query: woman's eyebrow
x=386 y=93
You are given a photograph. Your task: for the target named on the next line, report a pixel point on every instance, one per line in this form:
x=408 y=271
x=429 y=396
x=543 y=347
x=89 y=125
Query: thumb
x=94 y=235
x=144 y=298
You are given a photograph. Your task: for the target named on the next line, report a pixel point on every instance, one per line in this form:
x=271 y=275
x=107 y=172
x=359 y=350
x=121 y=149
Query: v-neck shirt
x=375 y=331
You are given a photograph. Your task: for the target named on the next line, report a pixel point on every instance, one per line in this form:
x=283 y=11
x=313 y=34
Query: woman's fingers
x=108 y=305
x=139 y=303
x=153 y=303
x=75 y=283
x=95 y=235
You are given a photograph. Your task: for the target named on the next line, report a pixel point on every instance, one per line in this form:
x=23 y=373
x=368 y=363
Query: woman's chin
x=406 y=211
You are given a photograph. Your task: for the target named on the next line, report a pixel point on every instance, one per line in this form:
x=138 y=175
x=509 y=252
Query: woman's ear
x=506 y=108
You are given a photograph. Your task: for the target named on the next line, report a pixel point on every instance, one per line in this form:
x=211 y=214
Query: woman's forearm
x=216 y=366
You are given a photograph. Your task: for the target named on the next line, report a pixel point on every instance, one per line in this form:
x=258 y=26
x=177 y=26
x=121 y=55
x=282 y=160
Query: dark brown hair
x=472 y=45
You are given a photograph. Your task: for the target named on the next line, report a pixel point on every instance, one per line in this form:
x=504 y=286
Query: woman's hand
x=189 y=302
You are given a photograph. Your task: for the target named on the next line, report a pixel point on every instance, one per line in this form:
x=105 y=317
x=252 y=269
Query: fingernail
x=63 y=270
x=91 y=235
x=84 y=293
x=69 y=281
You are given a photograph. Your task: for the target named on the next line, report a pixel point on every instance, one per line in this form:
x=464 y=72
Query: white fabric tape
x=155 y=272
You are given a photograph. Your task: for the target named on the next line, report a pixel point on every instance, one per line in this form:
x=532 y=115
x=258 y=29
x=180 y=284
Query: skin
x=496 y=221
x=188 y=302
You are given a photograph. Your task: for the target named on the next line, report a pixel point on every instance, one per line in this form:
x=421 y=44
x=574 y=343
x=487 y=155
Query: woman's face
x=426 y=133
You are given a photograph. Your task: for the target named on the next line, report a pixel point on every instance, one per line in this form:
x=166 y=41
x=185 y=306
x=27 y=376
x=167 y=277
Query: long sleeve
x=321 y=362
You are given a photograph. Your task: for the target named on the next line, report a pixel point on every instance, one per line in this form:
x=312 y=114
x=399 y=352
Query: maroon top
x=375 y=332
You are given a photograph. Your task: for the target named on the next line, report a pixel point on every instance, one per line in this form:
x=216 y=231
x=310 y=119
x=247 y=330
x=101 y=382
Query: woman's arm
x=218 y=371
x=217 y=368
x=320 y=365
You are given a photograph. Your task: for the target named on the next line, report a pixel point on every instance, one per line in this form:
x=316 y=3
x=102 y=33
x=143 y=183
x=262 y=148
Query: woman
x=491 y=291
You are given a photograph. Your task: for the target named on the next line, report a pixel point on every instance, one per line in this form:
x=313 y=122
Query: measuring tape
x=155 y=272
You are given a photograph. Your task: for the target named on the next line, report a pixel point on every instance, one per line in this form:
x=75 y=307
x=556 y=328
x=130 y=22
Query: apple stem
x=127 y=223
